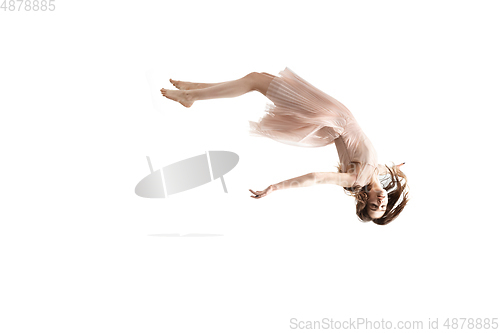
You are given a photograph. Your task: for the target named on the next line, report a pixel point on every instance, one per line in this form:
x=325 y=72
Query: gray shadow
x=187 y=174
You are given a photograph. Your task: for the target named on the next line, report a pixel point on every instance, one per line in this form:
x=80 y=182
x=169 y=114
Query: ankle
x=189 y=95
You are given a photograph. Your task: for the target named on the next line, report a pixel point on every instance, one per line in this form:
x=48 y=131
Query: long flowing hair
x=397 y=190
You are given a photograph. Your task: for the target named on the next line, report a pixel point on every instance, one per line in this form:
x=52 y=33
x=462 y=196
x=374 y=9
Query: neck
x=375 y=183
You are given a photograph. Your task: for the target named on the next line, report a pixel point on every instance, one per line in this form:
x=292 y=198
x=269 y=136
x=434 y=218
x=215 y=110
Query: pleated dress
x=304 y=116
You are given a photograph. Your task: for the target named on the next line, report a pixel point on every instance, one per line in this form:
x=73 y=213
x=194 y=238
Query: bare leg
x=186 y=85
x=250 y=82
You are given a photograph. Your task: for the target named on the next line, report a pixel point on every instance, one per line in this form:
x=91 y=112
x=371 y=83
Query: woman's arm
x=305 y=180
x=336 y=178
x=313 y=178
x=301 y=181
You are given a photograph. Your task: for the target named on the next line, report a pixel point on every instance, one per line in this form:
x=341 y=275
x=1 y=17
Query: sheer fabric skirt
x=301 y=114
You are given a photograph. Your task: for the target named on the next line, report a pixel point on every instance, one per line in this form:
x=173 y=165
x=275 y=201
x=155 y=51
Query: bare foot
x=185 y=85
x=180 y=96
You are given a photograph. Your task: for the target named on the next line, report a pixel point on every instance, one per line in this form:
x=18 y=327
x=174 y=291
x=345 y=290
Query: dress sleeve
x=365 y=174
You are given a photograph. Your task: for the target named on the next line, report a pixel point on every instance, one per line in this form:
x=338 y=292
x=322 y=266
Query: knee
x=253 y=80
x=253 y=76
x=259 y=81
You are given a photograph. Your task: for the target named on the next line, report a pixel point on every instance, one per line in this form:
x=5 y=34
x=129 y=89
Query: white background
x=80 y=252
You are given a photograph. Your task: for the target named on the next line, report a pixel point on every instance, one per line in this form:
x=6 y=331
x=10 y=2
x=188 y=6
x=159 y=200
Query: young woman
x=304 y=116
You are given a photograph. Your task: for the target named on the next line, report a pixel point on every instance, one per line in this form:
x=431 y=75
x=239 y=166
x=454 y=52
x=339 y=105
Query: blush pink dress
x=302 y=115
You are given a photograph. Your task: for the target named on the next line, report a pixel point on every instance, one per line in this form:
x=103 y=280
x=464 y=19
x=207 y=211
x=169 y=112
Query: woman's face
x=377 y=203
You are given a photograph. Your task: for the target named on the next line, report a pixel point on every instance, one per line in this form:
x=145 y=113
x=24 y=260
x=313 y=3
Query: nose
x=380 y=198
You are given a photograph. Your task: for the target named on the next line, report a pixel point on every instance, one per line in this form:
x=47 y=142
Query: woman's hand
x=261 y=194
x=400 y=165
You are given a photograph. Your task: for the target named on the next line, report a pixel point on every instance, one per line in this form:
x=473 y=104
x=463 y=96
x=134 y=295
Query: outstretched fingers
x=257 y=195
